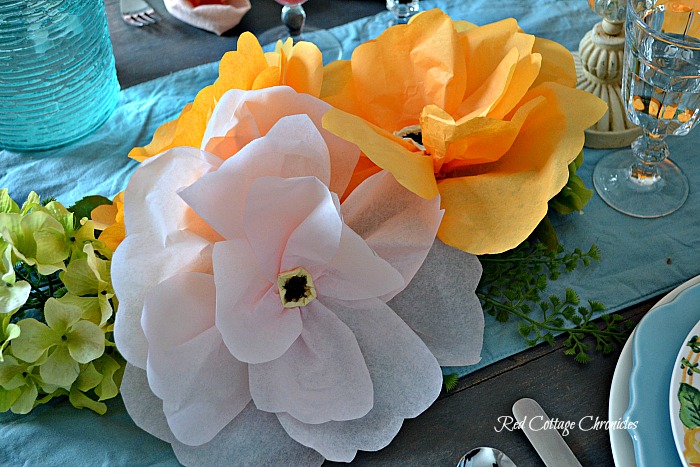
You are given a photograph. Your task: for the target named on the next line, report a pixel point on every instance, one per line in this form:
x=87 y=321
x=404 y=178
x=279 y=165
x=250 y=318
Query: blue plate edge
x=633 y=407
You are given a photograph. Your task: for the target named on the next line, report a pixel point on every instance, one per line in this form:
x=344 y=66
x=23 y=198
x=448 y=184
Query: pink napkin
x=214 y=17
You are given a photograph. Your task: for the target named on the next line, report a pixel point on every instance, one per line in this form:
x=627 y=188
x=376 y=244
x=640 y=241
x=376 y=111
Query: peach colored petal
x=495 y=211
x=483 y=99
x=245 y=68
x=476 y=141
x=412 y=169
x=104 y=216
x=526 y=72
x=408 y=67
x=487 y=45
x=557 y=63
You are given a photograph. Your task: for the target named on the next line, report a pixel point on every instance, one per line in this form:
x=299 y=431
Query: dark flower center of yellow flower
x=296 y=288
x=412 y=133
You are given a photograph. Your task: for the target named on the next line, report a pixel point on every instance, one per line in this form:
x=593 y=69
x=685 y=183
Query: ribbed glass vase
x=58 y=82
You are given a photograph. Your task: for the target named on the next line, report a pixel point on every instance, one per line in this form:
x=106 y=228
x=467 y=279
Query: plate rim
x=618 y=402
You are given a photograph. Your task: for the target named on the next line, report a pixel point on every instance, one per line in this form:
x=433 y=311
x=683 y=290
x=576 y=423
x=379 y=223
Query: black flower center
x=296 y=288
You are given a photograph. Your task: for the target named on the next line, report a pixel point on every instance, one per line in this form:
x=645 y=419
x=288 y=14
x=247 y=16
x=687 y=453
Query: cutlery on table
x=485 y=457
x=137 y=12
x=543 y=435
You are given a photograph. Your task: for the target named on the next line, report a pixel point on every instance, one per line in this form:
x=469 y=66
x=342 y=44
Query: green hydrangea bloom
x=66 y=339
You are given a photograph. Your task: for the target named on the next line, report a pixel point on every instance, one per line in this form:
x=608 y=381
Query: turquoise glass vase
x=58 y=82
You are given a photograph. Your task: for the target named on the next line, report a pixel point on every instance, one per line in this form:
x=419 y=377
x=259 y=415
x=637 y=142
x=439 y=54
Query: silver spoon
x=485 y=457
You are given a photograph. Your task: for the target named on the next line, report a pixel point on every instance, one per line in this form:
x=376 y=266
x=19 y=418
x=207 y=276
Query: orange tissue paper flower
x=109 y=218
x=488 y=117
x=299 y=66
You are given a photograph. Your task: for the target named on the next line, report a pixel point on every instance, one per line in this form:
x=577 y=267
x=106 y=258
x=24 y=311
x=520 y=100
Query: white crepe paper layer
x=217 y=362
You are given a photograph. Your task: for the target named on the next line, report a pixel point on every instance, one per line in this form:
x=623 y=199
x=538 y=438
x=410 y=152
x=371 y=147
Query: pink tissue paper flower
x=264 y=321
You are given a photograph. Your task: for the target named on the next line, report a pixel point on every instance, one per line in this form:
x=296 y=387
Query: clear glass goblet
x=398 y=12
x=294 y=26
x=661 y=91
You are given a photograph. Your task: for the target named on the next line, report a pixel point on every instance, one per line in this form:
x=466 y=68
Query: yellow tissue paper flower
x=487 y=117
x=299 y=66
x=109 y=218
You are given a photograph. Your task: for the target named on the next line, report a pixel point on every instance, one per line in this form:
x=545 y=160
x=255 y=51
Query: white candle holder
x=599 y=71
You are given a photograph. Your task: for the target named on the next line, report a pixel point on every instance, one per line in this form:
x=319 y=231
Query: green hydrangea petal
x=8 y=397
x=86 y=341
x=7 y=271
x=88 y=378
x=90 y=307
x=79 y=278
x=33 y=200
x=34 y=339
x=80 y=400
x=13 y=296
x=11 y=370
x=62 y=215
x=60 y=368
x=106 y=309
x=25 y=402
x=10 y=332
x=7 y=204
x=112 y=373
x=61 y=316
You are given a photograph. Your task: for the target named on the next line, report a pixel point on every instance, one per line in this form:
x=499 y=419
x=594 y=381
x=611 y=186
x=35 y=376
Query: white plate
x=682 y=376
x=620 y=440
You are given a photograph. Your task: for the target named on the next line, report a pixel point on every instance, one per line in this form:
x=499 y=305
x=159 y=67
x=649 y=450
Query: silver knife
x=543 y=434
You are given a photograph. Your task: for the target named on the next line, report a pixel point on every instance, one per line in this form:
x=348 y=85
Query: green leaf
x=7 y=204
x=524 y=329
x=546 y=234
x=85 y=206
x=450 y=381
x=689 y=398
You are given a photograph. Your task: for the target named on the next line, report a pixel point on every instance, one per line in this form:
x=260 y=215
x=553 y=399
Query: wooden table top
x=467 y=416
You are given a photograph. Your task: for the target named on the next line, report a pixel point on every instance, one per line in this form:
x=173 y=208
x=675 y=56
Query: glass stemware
x=398 y=12
x=661 y=91
x=294 y=26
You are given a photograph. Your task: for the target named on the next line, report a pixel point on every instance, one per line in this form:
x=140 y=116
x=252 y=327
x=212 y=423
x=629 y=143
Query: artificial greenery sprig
x=513 y=284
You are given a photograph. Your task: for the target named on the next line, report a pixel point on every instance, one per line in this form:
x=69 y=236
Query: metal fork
x=137 y=12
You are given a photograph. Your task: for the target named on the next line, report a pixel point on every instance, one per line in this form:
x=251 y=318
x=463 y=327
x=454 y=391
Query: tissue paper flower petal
x=158 y=243
x=249 y=314
x=533 y=170
x=399 y=391
x=394 y=222
x=410 y=167
x=301 y=228
x=454 y=328
x=322 y=377
x=240 y=439
x=356 y=272
x=238 y=69
x=242 y=117
x=178 y=321
x=294 y=148
x=385 y=78
x=459 y=139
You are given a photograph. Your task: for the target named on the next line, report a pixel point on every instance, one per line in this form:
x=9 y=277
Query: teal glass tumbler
x=58 y=82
